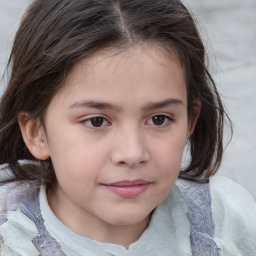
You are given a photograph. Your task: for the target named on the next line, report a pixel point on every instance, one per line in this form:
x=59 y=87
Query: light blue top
x=233 y=209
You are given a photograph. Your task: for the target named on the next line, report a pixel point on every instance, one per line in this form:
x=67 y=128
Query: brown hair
x=54 y=35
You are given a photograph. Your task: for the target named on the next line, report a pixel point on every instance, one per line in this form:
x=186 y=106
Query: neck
x=89 y=226
x=122 y=235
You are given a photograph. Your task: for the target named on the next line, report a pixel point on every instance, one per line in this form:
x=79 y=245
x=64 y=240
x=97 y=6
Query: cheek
x=167 y=166
x=168 y=156
x=78 y=162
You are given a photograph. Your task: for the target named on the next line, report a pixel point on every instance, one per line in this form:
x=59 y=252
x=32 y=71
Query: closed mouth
x=128 y=183
x=127 y=188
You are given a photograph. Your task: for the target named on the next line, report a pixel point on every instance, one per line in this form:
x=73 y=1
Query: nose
x=130 y=149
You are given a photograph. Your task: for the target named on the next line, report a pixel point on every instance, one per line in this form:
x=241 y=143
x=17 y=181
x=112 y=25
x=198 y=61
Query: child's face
x=116 y=133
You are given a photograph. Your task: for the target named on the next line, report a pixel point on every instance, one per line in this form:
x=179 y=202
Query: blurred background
x=228 y=28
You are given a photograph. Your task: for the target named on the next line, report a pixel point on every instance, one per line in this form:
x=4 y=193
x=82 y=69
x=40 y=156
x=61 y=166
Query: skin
x=139 y=96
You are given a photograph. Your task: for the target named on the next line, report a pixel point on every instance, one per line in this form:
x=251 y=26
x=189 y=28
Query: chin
x=129 y=219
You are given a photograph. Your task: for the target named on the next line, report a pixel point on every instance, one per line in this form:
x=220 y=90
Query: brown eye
x=159 y=120
x=96 y=122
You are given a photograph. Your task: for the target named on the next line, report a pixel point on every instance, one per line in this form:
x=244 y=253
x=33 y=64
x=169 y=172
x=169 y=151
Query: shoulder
x=14 y=194
x=234 y=214
x=16 y=229
x=227 y=194
x=8 y=191
x=220 y=184
x=17 y=232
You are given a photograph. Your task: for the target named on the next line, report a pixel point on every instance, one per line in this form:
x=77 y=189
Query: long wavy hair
x=54 y=35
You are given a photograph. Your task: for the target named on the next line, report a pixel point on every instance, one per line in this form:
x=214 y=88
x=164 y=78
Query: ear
x=193 y=119
x=34 y=136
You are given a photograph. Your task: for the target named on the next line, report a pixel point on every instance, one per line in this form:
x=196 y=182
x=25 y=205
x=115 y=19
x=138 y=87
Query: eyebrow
x=93 y=104
x=105 y=105
x=162 y=104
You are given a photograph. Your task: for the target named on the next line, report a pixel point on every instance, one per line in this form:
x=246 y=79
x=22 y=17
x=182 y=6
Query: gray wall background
x=229 y=31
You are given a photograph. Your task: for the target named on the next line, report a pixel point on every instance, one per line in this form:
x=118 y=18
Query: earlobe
x=34 y=136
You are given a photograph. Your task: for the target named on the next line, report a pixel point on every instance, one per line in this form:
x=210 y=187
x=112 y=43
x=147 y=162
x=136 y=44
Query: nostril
x=124 y=163
x=132 y=157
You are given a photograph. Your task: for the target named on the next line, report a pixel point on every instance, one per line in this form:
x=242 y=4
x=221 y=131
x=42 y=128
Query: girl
x=102 y=99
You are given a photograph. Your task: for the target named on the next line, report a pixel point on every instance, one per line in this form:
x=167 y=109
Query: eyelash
x=104 y=122
x=88 y=122
x=166 y=120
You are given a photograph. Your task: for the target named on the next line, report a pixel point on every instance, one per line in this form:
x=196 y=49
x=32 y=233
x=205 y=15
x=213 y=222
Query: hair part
x=55 y=35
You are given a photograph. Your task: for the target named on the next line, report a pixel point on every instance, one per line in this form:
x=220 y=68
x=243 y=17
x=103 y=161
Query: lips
x=127 y=188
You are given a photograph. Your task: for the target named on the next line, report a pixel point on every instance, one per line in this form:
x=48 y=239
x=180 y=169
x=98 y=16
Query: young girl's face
x=115 y=134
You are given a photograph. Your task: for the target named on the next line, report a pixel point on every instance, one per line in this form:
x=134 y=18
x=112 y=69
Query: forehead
x=125 y=58
x=141 y=72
